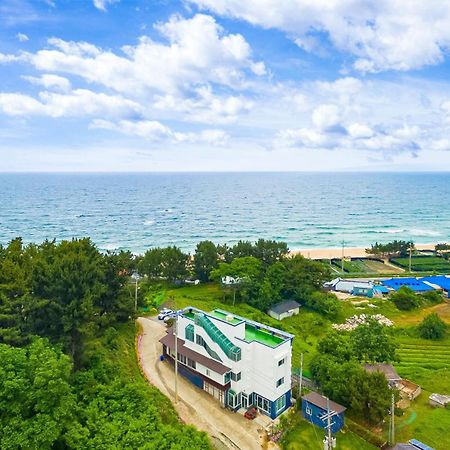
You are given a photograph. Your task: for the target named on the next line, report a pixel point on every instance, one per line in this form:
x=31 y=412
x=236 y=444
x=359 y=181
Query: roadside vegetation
x=68 y=372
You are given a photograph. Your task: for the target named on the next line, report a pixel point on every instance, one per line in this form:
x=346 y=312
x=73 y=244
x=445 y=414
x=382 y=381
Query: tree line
x=264 y=271
x=394 y=248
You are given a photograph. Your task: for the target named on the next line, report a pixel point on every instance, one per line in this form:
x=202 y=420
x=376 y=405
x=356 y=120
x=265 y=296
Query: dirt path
x=196 y=407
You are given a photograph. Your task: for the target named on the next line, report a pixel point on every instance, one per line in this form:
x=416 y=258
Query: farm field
x=424 y=264
x=369 y=266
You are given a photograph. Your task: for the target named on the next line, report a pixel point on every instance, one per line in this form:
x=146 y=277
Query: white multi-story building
x=238 y=361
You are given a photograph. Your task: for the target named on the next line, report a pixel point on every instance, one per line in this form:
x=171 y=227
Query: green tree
x=152 y=262
x=325 y=303
x=372 y=343
x=242 y=249
x=370 y=396
x=206 y=259
x=304 y=276
x=432 y=327
x=405 y=299
x=174 y=264
x=37 y=404
x=269 y=252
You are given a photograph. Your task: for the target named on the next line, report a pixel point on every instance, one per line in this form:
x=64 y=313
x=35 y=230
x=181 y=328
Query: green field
x=424 y=264
x=366 y=266
x=425 y=362
x=306 y=436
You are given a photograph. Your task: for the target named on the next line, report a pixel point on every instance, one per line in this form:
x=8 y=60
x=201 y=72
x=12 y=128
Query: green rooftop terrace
x=223 y=316
x=262 y=336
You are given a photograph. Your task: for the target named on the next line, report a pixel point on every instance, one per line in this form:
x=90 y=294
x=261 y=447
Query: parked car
x=251 y=413
x=164 y=312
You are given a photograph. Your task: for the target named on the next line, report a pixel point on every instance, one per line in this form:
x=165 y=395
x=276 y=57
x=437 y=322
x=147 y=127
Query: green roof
x=222 y=315
x=264 y=337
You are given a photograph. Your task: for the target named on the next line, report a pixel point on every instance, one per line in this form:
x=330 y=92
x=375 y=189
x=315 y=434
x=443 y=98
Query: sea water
x=136 y=211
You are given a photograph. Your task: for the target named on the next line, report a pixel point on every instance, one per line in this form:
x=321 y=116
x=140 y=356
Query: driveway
x=228 y=430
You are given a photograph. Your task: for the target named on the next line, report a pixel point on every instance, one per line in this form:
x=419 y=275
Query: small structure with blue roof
x=315 y=410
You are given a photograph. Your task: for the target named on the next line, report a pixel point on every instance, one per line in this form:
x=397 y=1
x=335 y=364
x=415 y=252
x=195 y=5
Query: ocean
x=137 y=211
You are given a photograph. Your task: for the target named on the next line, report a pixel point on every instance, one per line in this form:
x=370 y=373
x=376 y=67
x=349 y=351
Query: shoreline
x=349 y=252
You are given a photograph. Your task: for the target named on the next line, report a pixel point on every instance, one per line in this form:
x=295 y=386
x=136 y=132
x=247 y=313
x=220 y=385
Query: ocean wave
x=149 y=222
x=411 y=231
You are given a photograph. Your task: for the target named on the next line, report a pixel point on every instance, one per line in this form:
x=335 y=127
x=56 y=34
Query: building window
x=191 y=363
x=308 y=411
x=280 y=362
x=263 y=404
x=207 y=372
x=280 y=403
x=235 y=376
x=280 y=381
x=227 y=377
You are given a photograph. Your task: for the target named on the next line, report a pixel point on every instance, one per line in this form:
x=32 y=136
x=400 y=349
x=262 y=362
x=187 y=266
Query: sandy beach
x=349 y=252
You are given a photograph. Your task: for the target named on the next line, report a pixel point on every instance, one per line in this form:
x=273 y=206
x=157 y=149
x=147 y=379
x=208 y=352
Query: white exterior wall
x=258 y=365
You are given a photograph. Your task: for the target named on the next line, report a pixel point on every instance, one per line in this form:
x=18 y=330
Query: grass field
x=424 y=264
x=366 y=266
x=306 y=436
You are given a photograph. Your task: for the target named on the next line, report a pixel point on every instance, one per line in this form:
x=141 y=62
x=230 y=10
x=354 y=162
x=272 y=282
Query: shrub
x=432 y=327
x=405 y=299
x=366 y=434
x=325 y=303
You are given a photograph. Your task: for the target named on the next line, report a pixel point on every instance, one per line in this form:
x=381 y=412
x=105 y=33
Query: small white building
x=285 y=309
x=439 y=400
x=348 y=286
x=240 y=362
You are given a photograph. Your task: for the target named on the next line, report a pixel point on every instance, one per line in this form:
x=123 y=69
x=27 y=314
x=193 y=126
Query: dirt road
x=196 y=407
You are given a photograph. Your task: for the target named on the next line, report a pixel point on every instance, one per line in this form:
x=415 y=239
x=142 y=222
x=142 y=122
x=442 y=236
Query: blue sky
x=115 y=85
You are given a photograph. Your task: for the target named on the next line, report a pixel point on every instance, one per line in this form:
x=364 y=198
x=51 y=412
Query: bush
x=433 y=297
x=405 y=299
x=366 y=434
x=432 y=327
x=324 y=303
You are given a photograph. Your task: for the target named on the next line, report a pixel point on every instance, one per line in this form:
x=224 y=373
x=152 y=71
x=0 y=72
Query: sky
x=224 y=85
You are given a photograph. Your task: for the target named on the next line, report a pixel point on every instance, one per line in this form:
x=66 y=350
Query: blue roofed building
x=415 y=284
x=439 y=280
x=315 y=410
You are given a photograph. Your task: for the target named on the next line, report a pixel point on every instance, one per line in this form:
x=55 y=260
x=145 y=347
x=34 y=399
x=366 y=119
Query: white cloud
x=49 y=81
x=359 y=131
x=381 y=35
x=156 y=131
x=205 y=107
x=326 y=116
x=22 y=37
x=197 y=52
x=79 y=103
x=102 y=4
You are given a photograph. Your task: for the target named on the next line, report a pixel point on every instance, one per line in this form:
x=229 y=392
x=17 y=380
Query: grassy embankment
x=424 y=362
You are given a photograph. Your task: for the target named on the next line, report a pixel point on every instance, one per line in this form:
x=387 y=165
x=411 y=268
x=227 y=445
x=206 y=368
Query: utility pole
x=135 y=294
x=410 y=252
x=342 y=259
x=392 y=423
x=300 y=379
x=329 y=442
x=176 y=351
